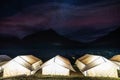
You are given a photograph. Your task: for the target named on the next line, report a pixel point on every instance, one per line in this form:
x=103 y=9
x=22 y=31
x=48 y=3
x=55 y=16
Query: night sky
x=81 y=20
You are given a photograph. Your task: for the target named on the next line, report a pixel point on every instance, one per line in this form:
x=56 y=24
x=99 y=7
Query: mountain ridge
x=51 y=37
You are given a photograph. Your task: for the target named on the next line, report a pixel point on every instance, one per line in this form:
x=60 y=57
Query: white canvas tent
x=96 y=66
x=22 y=65
x=116 y=59
x=58 y=65
x=3 y=60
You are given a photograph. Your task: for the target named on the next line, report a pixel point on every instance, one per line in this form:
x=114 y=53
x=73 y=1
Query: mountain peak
x=48 y=37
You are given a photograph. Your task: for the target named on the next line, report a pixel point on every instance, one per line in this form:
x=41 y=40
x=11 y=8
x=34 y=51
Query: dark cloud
x=90 y=21
x=90 y=34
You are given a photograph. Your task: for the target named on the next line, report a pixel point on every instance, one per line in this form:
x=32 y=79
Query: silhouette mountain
x=49 y=37
x=111 y=40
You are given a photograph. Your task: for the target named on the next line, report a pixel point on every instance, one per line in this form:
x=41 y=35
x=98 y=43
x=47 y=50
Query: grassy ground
x=73 y=76
x=60 y=78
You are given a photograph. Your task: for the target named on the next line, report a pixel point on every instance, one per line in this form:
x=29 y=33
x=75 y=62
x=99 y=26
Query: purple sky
x=82 y=23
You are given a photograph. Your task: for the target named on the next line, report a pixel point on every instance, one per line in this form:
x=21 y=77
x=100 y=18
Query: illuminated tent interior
x=96 y=66
x=22 y=65
x=58 y=65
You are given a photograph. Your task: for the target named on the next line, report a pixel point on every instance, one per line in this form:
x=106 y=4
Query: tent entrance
x=1 y=74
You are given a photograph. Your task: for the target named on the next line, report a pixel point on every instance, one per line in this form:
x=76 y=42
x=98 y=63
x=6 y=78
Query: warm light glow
x=55 y=69
x=97 y=66
x=14 y=69
x=116 y=58
x=30 y=59
x=104 y=70
x=58 y=61
x=80 y=65
x=96 y=62
x=86 y=59
x=21 y=66
x=22 y=62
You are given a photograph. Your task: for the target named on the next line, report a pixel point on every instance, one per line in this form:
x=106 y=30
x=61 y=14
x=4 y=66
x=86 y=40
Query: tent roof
x=26 y=60
x=88 y=58
x=65 y=60
x=30 y=58
x=2 y=63
x=59 y=60
x=116 y=58
x=4 y=58
x=117 y=63
x=95 y=63
x=92 y=61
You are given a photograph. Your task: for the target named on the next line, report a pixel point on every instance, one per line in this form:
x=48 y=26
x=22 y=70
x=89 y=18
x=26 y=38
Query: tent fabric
x=94 y=65
x=118 y=63
x=4 y=58
x=88 y=58
x=15 y=69
x=55 y=69
x=58 y=65
x=30 y=59
x=21 y=65
x=63 y=59
x=103 y=70
x=80 y=65
x=2 y=63
x=22 y=62
x=60 y=61
x=115 y=58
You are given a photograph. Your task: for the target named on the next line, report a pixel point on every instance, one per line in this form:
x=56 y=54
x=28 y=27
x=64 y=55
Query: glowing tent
x=116 y=59
x=22 y=65
x=3 y=59
x=96 y=66
x=58 y=65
